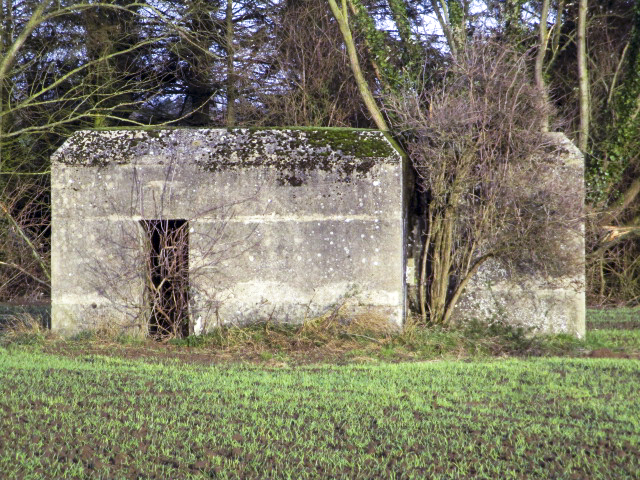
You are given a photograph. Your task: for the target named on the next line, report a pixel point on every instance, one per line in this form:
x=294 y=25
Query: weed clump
x=23 y=330
x=332 y=332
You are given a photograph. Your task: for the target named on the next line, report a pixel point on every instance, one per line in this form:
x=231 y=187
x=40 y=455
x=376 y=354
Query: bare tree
x=44 y=91
x=65 y=66
x=489 y=187
x=312 y=80
x=24 y=239
x=163 y=276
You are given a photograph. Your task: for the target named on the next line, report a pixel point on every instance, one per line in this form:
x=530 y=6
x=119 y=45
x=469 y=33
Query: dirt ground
x=163 y=352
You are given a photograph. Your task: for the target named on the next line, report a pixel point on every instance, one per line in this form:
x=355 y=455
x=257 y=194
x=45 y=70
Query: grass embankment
x=101 y=417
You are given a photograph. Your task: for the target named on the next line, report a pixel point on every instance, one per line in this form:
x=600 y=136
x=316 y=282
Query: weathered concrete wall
x=284 y=224
x=546 y=303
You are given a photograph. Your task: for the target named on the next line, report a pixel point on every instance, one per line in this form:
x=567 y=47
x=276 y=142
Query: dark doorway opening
x=167 y=282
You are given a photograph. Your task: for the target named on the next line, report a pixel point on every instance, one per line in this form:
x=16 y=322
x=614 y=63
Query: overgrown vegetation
x=335 y=339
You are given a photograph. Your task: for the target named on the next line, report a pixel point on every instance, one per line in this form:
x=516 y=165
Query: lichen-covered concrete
x=285 y=224
x=543 y=303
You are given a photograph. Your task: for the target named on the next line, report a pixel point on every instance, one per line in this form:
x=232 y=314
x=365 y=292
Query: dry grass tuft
x=24 y=329
x=332 y=333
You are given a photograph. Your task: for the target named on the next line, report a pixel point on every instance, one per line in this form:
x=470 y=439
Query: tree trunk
x=341 y=17
x=231 y=87
x=4 y=40
x=422 y=287
x=438 y=287
x=583 y=77
x=440 y=7
x=460 y=288
x=542 y=50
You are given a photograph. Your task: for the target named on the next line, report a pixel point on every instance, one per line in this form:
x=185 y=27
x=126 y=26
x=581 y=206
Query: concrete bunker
x=176 y=231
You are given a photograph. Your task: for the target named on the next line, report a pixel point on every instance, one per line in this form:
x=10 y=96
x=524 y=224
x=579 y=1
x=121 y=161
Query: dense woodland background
x=72 y=65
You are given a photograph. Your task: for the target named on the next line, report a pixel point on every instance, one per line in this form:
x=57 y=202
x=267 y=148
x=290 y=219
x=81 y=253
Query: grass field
x=614 y=329
x=106 y=418
x=620 y=318
x=69 y=411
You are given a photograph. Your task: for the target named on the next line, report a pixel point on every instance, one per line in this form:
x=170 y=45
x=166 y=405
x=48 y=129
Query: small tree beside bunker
x=500 y=222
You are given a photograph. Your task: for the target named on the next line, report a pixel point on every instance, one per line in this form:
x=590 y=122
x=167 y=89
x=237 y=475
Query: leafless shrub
x=315 y=85
x=161 y=275
x=486 y=172
x=24 y=240
x=612 y=266
x=167 y=276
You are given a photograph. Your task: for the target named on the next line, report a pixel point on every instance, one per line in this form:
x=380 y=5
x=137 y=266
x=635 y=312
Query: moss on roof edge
x=345 y=141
